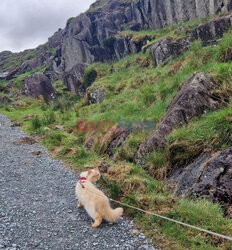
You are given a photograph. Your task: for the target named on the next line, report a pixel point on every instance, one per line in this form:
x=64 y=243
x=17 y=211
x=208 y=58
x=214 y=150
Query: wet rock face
x=193 y=99
x=209 y=175
x=168 y=48
x=73 y=79
x=212 y=30
x=96 y=96
x=38 y=85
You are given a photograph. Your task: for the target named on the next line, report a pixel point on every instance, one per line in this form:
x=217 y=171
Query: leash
x=168 y=219
x=175 y=221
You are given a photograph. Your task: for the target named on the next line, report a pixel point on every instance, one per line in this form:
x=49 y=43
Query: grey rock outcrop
x=3 y=75
x=209 y=175
x=73 y=79
x=124 y=46
x=117 y=141
x=82 y=40
x=212 y=30
x=96 y=95
x=84 y=36
x=38 y=85
x=193 y=99
x=168 y=48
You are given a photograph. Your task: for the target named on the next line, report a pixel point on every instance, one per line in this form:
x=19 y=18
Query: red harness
x=83 y=180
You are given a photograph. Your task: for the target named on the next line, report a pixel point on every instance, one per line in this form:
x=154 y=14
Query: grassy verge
x=130 y=184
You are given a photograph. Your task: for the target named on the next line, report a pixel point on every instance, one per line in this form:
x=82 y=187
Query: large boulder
x=212 y=30
x=38 y=85
x=193 y=99
x=73 y=78
x=210 y=175
x=168 y=48
x=96 y=95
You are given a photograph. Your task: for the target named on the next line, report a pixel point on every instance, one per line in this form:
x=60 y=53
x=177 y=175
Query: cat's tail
x=112 y=215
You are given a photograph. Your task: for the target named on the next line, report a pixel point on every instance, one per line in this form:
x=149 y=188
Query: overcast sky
x=26 y=24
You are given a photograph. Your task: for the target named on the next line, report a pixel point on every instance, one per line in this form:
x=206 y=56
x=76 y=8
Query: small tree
x=90 y=76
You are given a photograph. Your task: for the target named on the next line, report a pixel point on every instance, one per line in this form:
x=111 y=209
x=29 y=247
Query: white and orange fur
x=94 y=201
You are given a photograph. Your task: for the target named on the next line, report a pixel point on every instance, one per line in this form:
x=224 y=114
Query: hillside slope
x=156 y=121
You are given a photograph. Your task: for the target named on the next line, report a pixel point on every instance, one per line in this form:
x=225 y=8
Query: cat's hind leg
x=79 y=204
x=97 y=220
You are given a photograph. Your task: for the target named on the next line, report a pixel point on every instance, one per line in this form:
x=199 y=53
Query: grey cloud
x=27 y=23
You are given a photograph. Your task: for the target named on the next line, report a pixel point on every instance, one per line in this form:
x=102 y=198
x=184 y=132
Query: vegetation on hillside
x=137 y=91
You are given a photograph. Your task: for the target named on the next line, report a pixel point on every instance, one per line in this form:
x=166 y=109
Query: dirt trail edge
x=38 y=207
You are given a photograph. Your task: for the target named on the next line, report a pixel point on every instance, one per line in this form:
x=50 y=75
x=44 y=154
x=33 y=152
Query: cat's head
x=93 y=175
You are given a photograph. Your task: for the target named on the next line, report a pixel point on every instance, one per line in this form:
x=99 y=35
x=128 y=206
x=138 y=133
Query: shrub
x=109 y=42
x=89 y=77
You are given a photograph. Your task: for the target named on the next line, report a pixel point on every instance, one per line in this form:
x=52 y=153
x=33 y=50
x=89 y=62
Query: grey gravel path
x=38 y=207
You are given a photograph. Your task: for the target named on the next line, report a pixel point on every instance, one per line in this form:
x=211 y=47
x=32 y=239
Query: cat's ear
x=97 y=168
x=89 y=171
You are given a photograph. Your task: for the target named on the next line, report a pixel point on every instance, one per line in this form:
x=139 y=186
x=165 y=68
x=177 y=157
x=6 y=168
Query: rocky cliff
x=93 y=36
x=84 y=38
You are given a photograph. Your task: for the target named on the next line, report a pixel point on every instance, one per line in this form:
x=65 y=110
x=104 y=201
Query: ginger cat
x=94 y=201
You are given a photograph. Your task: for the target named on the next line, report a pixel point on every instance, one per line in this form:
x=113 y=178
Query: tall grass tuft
x=36 y=123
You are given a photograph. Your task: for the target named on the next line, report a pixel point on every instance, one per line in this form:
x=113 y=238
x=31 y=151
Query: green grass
x=55 y=139
x=203 y=214
x=21 y=78
x=211 y=132
x=52 y=51
x=14 y=60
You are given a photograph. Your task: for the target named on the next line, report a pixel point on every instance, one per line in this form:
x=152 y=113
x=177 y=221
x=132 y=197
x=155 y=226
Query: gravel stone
x=38 y=206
